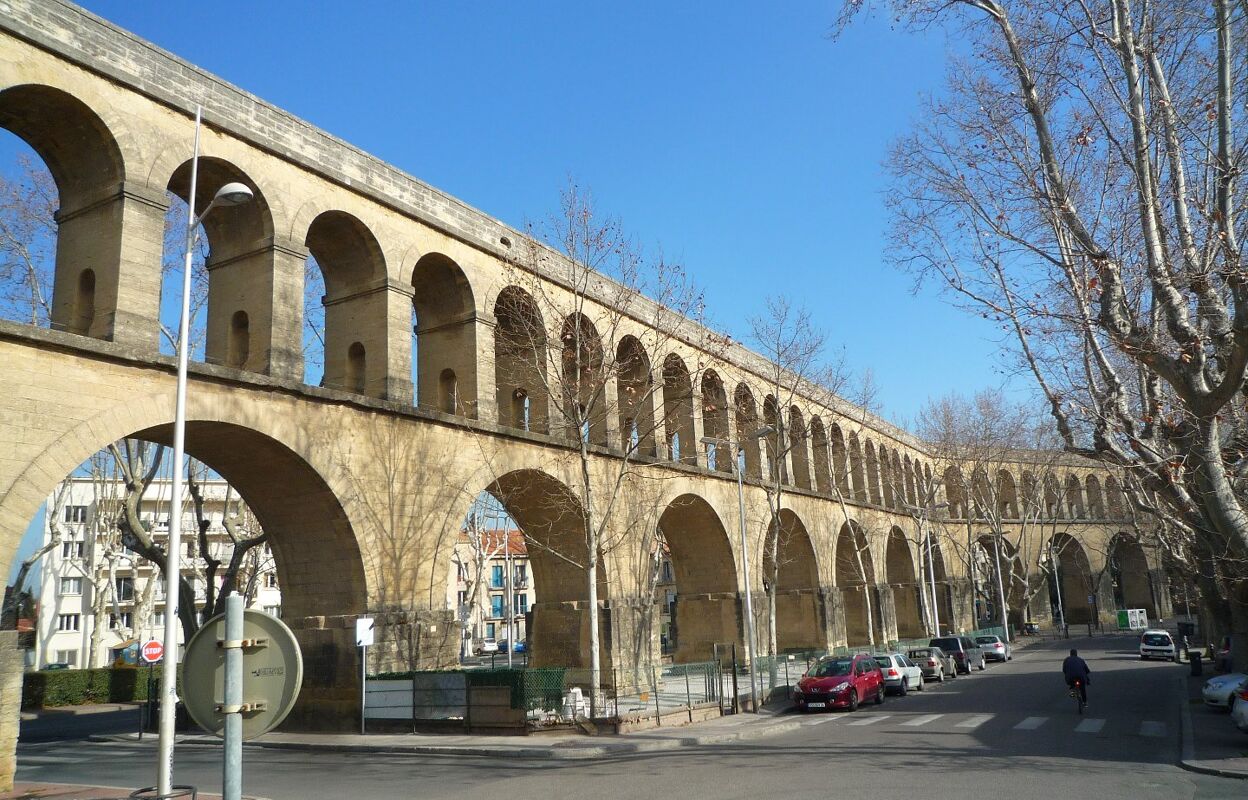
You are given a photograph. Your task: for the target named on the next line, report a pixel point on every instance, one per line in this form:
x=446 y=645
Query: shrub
x=75 y=687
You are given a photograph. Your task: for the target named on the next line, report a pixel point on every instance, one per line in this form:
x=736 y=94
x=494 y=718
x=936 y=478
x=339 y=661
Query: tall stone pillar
x=832 y=607
x=704 y=620
x=368 y=343
x=10 y=706
x=1163 y=606
x=108 y=266
x=887 y=614
x=255 y=310
x=962 y=596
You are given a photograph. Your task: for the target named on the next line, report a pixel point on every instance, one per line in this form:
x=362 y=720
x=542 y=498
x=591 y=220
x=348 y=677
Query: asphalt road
x=1011 y=732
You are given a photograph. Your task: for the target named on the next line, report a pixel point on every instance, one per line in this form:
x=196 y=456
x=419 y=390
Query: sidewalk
x=74 y=791
x=1211 y=743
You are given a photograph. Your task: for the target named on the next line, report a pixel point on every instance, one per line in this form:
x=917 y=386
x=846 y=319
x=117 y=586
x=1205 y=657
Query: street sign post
x=152 y=651
x=364 y=628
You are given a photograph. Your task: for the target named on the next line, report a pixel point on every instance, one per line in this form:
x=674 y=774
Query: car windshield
x=1157 y=639
x=830 y=669
x=884 y=661
x=985 y=640
x=920 y=654
x=946 y=644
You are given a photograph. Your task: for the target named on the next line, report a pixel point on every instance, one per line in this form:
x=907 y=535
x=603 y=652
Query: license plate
x=816 y=705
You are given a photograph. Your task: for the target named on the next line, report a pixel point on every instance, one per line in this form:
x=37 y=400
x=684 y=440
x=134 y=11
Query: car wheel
x=921 y=684
x=879 y=696
x=983 y=665
x=940 y=675
x=903 y=689
x=853 y=700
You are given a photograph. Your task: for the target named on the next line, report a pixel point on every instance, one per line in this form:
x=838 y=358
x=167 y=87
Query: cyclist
x=1074 y=669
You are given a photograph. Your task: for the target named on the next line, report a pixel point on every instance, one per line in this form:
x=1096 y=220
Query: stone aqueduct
x=361 y=481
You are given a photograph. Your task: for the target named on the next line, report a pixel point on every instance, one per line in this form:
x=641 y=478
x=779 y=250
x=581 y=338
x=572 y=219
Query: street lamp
x=231 y=194
x=931 y=569
x=752 y=639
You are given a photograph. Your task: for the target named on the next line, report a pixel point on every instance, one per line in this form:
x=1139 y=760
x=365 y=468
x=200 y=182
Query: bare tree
x=57 y=533
x=1078 y=184
x=28 y=203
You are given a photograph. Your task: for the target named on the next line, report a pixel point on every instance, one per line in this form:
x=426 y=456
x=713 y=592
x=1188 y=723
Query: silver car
x=900 y=673
x=1219 y=691
x=995 y=648
x=935 y=663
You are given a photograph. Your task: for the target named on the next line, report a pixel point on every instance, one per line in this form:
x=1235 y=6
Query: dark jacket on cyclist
x=1074 y=668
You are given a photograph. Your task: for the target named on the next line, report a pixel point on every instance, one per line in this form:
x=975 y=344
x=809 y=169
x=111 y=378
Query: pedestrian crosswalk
x=969 y=723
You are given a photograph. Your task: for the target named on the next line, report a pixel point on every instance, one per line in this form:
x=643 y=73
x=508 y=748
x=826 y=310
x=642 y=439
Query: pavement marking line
x=1090 y=726
x=1153 y=729
x=870 y=720
x=821 y=721
x=975 y=720
x=923 y=720
x=1031 y=723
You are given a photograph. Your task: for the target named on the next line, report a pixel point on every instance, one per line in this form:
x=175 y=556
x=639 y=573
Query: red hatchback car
x=840 y=682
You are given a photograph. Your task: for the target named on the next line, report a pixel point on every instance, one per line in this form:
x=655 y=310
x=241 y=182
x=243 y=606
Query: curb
x=1187 y=750
x=553 y=753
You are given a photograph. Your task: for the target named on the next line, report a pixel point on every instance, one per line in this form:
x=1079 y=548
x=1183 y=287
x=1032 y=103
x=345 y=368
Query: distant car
x=935 y=663
x=1219 y=691
x=57 y=665
x=966 y=654
x=487 y=646
x=1157 y=644
x=995 y=648
x=840 y=682
x=900 y=673
x=521 y=647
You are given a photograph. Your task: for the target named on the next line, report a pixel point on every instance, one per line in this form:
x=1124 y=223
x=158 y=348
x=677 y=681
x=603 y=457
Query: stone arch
x=1031 y=503
x=1013 y=579
x=87 y=166
x=247 y=271
x=551 y=517
x=856 y=470
x=774 y=441
x=799 y=448
x=888 y=479
x=904 y=585
x=1074 y=497
x=520 y=361
x=789 y=558
x=351 y=262
x=635 y=396
x=1074 y=580
x=715 y=422
x=955 y=493
x=747 y=423
x=445 y=327
x=912 y=490
x=705 y=572
x=855 y=577
x=582 y=376
x=1052 y=497
x=873 y=472
x=981 y=500
x=682 y=443
x=1096 y=501
x=1007 y=495
x=933 y=564
x=819 y=446
x=840 y=461
x=1130 y=575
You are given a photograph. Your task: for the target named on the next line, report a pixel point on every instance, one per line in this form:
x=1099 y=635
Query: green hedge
x=75 y=687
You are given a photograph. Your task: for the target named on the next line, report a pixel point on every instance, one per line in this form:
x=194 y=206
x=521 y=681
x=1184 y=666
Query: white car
x=486 y=646
x=1157 y=644
x=1239 y=711
x=900 y=673
x=1219 y=691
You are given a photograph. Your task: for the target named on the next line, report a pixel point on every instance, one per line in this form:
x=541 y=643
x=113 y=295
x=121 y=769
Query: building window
x=520 y=575
x=71 y=586
x=462 y=599
x=489 y=630
x=270 y=580
x=521 y=604
x=158 y=619
x=69 y=657
x=125 y=589
x=68 y=622
x=126 y=620
x=496 y=576
x=496 y=605
x=72 y=549
x=273 y=611
x=75 y=513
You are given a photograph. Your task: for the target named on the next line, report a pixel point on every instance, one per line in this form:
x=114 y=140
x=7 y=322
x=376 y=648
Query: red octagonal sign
x=152 y=651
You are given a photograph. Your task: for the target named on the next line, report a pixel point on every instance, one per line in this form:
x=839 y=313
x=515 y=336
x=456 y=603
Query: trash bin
x=1195 y=657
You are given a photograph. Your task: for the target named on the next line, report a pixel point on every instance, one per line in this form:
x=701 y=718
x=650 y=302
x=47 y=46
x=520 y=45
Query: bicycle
x=1076 y=691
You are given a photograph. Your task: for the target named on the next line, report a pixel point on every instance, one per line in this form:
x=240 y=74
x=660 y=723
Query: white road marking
x=870 y=720
x=1090 y=726
x=975 y=720
x=923 y=720
x=1153 y=729
x=1031 y=723
x=822 y=720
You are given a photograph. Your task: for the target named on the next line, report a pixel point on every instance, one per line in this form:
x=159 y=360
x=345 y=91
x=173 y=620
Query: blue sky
x=745 y=143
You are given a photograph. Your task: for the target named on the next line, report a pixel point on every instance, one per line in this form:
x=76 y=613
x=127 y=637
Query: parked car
x=935 y=663
x=521 y=647
x=1158 y=644
x=57 y=665
x=1218 y=691
x=994 y=648
x=900 y=673
x=840 y=682
x=487 y=646
x=1239 y=711
x=966 y=654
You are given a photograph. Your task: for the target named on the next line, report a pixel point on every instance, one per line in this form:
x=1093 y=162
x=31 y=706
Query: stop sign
x=152 y=651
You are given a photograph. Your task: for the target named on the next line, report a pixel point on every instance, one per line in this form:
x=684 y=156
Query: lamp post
x=751 y=637
x=926 y=532
x=231 y=194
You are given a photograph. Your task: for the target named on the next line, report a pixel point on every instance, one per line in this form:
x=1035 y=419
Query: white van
x=1157 y=644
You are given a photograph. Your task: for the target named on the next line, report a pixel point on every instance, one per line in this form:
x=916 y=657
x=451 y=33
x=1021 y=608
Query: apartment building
x=97 y=599
x=478 y=585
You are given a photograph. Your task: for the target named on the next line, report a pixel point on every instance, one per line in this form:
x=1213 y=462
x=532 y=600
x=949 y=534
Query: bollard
x=1195 y=658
